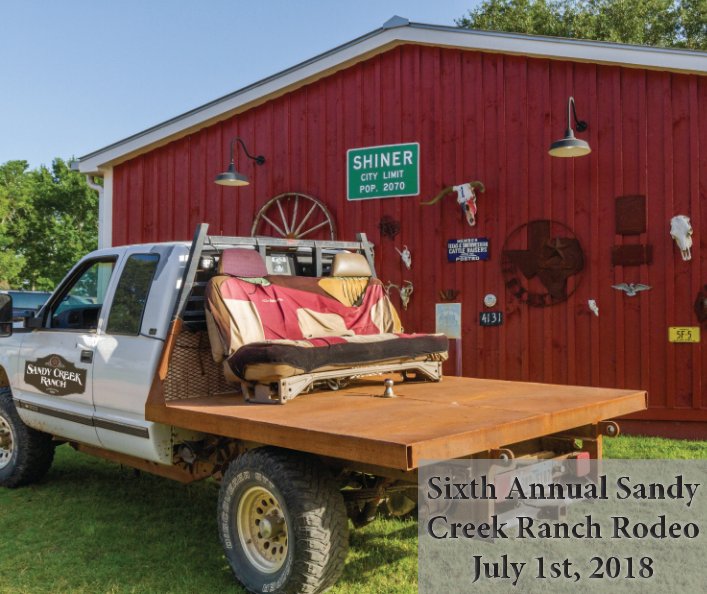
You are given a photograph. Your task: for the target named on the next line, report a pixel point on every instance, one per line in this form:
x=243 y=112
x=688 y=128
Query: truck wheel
x=282 y=523
x=25 y=454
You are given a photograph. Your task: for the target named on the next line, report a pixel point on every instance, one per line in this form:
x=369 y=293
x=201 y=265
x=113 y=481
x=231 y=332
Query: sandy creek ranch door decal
x=55 y=375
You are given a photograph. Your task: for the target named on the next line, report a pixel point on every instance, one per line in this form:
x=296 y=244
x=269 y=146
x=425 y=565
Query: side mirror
x=33 y=322
x=5 y=315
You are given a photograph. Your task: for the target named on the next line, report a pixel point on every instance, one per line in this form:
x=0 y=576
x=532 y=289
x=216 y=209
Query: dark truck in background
x=26 y=304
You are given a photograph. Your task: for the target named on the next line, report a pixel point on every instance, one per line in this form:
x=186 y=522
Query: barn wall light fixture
x=570 y=146
x=231 y=177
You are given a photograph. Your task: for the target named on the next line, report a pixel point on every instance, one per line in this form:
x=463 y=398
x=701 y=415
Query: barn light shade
x=571 y=146
x=231 y=177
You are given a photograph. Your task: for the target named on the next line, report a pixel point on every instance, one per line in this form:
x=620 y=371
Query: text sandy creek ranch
x=54 y=377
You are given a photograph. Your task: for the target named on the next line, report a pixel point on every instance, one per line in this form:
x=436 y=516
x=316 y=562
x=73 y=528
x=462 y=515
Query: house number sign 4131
x=490 y=318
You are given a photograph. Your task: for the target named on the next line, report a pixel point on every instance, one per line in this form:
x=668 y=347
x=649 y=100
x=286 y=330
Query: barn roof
x=396 y=31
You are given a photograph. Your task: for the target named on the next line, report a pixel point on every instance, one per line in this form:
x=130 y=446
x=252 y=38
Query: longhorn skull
x=466 y=198
x=681 y=232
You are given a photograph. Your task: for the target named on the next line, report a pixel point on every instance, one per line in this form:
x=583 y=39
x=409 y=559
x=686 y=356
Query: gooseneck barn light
x=569 y=146
x=231 y=177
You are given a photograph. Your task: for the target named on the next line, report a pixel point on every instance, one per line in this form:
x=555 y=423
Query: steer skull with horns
x=466 y=198
x=681 y=232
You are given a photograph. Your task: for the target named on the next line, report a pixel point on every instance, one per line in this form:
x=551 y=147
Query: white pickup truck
x=124 y=362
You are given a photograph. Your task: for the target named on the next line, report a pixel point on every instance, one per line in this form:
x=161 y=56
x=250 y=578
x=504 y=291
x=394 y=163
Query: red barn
x=553 y=237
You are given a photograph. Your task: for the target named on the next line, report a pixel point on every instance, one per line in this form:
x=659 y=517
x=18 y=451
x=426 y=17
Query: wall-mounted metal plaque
x=684 y=334
x=490 y=318
x=472 y=249
x=630 y=215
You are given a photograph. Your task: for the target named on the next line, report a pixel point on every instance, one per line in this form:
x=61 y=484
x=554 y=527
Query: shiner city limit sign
x=386 y=171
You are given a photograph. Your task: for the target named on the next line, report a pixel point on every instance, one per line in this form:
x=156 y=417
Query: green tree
x=48 y=220
x=14 y=195
x=62 y=224
x=665 y=23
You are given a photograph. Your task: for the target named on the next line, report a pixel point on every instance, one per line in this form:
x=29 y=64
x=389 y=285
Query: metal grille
x=192 y=370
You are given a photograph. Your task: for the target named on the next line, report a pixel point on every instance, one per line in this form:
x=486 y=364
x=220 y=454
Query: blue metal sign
x=468 y=250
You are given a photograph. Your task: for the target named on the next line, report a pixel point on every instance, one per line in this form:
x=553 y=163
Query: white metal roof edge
x=378 y=40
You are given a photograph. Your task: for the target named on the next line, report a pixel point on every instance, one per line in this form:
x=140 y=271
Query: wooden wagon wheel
x=294 y=216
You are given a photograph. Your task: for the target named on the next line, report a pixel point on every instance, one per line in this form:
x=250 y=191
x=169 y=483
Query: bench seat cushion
x=292 y=308
x=266 y=328
x=269 y=361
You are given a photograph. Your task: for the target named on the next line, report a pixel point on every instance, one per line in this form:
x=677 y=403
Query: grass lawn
x=92 y=527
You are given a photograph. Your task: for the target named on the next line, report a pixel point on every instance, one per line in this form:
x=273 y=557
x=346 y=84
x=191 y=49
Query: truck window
x=131 y=294
x=81 y=304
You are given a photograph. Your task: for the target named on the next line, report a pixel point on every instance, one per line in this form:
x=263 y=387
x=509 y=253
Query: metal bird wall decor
x=631 y=289
x=466 y=198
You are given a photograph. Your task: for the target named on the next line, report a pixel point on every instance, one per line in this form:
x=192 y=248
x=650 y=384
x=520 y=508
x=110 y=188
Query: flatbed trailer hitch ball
x=388 y=392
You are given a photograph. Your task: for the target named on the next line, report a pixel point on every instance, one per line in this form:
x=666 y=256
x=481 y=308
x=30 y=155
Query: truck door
x=54 y=388
x=127 y=353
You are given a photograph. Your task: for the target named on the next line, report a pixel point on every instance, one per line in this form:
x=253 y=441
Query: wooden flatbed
x=454 y=418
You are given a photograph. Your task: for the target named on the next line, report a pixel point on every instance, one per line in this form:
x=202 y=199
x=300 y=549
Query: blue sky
x=78 y=75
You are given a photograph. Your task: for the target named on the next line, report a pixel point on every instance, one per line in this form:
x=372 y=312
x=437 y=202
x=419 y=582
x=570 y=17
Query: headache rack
x=283 y=256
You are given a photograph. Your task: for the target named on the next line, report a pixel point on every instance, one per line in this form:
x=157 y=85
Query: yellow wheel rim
x=7 y=443
x=262 y=529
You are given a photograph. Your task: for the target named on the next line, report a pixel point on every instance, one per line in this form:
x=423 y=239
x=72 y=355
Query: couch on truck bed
x=278 y=335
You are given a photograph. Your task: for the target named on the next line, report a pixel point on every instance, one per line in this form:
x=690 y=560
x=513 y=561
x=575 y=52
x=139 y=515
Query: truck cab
x=84 y=369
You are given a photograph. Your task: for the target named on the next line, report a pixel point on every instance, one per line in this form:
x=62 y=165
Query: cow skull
x=405 y=256
x=681 y=232
x=466 y=198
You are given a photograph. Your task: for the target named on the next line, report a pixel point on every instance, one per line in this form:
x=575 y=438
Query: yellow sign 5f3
x=684 y=334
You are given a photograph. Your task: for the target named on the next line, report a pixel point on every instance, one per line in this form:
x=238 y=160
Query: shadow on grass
x=383 y=550
x=92 y=526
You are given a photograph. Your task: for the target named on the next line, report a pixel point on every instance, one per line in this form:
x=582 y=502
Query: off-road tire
x=31 y=451
x=307 y=498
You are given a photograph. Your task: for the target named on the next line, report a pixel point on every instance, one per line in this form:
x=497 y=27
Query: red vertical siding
x=537 y=180
x=699 y=221
x=488 y=117
x=659 y=149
